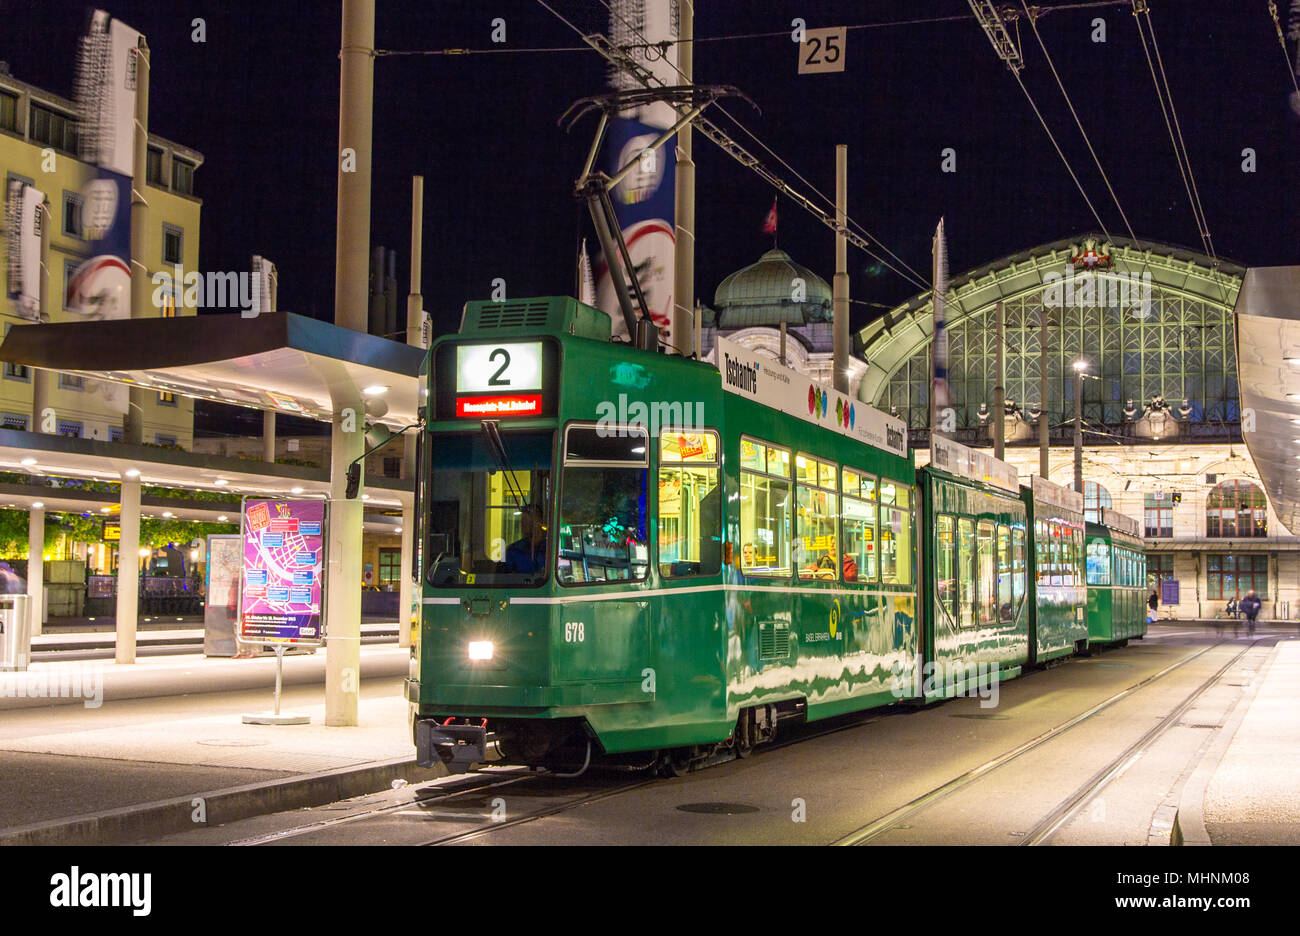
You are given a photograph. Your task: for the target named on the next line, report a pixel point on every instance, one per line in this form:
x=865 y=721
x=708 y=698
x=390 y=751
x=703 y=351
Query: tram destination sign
x=282 y=593
x=746 y=374
x=1056 y=495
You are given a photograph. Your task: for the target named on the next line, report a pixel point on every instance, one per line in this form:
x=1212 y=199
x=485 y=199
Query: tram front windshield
x=488 y=523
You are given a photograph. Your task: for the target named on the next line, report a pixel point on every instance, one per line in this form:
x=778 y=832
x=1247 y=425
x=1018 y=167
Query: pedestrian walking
x=1153 y=602
x=1250 y=606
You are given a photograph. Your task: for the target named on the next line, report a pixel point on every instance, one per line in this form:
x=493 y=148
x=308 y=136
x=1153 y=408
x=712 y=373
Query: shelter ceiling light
x=222 y=518
x=132 y=472
x=221 y=481
x=29 y=461
x=296 y=490
x=375 y=389
x=37 y=505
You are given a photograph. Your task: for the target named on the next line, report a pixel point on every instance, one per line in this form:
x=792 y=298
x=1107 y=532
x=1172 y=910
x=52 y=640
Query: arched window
x=1236 y=509
x=1095 y=499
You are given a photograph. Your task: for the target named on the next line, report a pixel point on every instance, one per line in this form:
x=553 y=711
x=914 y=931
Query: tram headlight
x=480 y=649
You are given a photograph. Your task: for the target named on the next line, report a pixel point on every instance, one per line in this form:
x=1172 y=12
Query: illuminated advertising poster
x=284 y=560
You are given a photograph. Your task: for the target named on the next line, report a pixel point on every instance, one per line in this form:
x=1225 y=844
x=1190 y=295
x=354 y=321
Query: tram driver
x=528 y=553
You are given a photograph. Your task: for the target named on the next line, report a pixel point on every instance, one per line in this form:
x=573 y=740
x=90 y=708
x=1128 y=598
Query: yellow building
x=38 y=145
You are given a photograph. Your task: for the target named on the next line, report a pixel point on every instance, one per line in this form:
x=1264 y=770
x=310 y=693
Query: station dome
x=764 y=293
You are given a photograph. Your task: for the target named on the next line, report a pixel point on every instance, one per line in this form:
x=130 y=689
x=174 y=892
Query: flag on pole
x=769 y=225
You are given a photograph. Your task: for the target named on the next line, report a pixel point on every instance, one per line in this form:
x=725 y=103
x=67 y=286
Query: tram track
x=1058 y=816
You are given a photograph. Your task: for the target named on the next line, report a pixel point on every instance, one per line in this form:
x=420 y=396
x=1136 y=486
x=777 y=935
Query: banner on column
x=23 y=219
x=282 y=593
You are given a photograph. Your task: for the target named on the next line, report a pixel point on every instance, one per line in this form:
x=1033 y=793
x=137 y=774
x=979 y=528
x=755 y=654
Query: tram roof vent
x=554 y=314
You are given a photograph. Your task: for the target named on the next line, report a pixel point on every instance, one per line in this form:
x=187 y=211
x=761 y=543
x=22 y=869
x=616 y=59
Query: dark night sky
x=260 y=100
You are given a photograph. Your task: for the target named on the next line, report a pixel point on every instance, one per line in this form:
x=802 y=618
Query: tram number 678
x=574 y=632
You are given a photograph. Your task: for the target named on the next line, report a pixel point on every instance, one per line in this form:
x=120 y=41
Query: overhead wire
x=1281 y=39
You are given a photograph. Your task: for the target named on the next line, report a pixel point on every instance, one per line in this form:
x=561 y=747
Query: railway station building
x=1162 y=418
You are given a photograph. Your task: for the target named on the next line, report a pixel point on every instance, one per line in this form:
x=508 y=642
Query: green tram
x=656 y=560
x=975 y=565
x=1117 y=574
x=1058 y=595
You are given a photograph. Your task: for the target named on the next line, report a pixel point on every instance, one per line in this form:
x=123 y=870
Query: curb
x=1189 y=819
x=148 y=821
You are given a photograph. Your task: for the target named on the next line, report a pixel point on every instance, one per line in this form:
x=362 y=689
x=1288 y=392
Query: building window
x=15 y=371
x=1159 y=515
x=390 y=567
x=13 y=421
x=115 y=433
x=1233 y=576
x=392 y=467
x=8 y=111
x=1236 y=509
x=165 y=398
x=1095 y=499
x=182 y=177
x=153 y=167
x=53 y=128
x=71 y=382
x=70 y=268
x=1160 y=568
x=161 y=439
x=172 y=240
x=72 y=214
x=67 y=427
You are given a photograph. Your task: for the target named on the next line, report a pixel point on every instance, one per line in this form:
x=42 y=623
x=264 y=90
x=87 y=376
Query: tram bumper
x=459 y=747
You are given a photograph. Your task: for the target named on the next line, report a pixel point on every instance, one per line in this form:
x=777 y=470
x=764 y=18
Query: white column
x=268 y=436
x=343 y=566
x=408 y=556
x=36 y=565
x=128 y=572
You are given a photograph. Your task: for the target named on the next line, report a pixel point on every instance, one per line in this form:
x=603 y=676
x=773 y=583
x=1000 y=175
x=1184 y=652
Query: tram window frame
x=986 y=563
x=966 y=581
x=898 y=508
x=1019 y=565
x=1006 y=609
x=860 y=494
x=945 y=574
x=820 y=489
x=679 y=465
x=1113 y=560
x=769 y=479
x=568 y=462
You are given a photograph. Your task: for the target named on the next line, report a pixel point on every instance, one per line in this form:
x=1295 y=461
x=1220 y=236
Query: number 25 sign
x=822 y=51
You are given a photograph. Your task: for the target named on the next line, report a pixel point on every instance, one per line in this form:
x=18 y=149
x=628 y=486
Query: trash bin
x=15 y=632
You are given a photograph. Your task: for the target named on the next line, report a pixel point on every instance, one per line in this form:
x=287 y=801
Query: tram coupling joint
x=460 y=747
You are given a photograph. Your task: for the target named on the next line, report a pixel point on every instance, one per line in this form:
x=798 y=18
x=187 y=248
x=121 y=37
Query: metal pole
x=268 y=436
x=347 y=442
x=36 y=566
x=684 y=209
x=1043 y=417
x=612 y=262
x=999 y=391
x=279 y=674
x=415 y=338
x=1078 y=430
x=840 y=283
x=783 y=364
x=128 y=572
x=40 y=380
x=141 y=287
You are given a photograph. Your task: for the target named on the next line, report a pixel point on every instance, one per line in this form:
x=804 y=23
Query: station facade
x=1161 y=414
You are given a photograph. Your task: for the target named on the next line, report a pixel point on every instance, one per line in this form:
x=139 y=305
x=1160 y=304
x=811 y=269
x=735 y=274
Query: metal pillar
x=684 y=209
x=343 y=575
x=1078 y=429
x=1043 y=417
x=840 y=282
x=141 y=286
x=40 y=379
x=356 y=100
x=999 y=390
x=36 y=566
x=128 y=572
x=405 y=586
x=268 y=436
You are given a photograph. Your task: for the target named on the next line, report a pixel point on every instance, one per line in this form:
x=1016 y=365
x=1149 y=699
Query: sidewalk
x=168 y=733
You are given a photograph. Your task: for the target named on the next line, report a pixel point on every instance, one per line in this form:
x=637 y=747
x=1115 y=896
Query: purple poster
x=284 y=557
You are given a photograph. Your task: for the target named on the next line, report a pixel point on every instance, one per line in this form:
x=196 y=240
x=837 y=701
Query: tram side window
x=816 y=555
x=1099 y=562
x=1006 y=608
x=987 y=568
x=895 y=533
x=764 y=509
x=858 y=526
x=1018 y=568
x=690 y=517
x=1042 y=553
x=603 y=516
x=945 y=571
x=966 y=572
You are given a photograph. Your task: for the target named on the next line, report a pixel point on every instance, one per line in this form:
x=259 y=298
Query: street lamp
x=1080 y=374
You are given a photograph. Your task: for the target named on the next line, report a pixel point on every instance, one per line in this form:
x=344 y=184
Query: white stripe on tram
x=687 y=590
